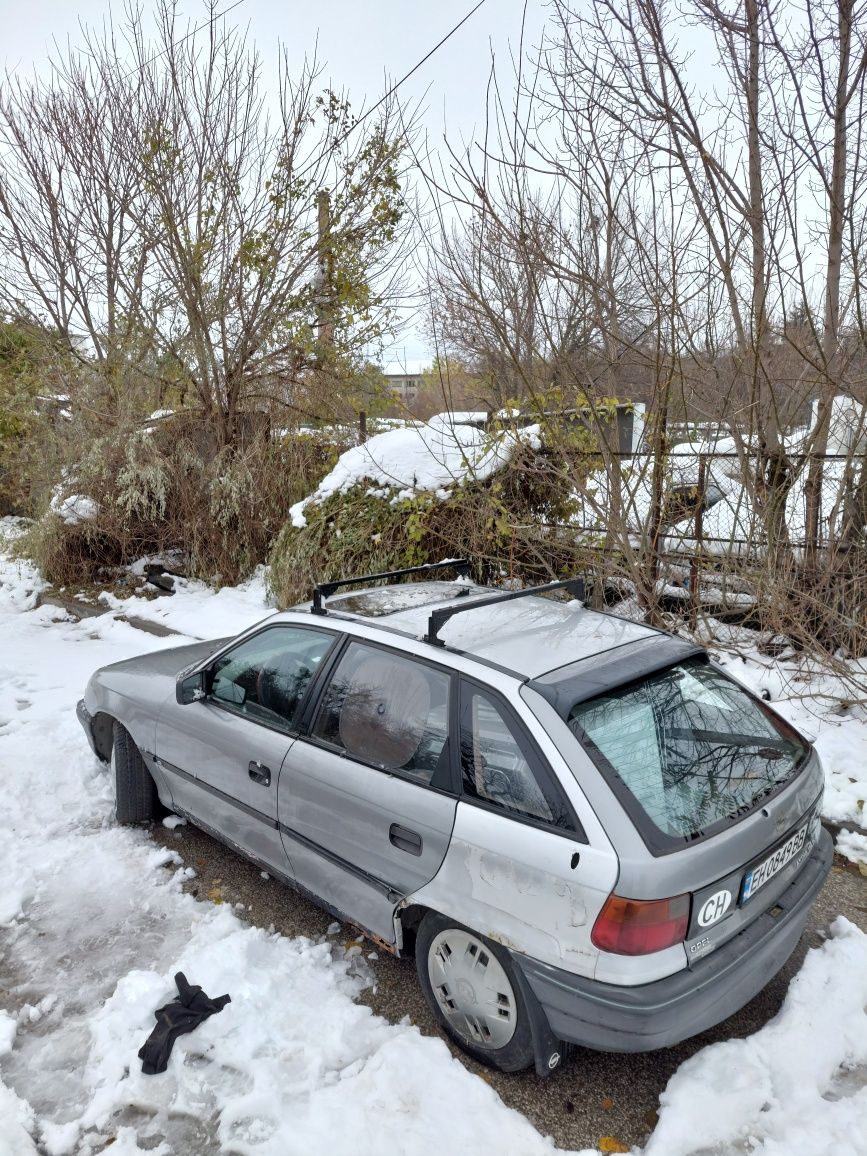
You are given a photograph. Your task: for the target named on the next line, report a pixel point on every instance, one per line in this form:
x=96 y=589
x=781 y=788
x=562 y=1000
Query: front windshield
x=689 y=744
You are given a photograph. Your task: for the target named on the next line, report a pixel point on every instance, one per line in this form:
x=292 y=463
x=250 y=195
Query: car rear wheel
x=470 y=986
x=135 y=797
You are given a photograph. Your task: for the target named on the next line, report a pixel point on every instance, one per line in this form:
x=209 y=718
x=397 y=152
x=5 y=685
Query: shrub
x=513 y=524
x=162 y=487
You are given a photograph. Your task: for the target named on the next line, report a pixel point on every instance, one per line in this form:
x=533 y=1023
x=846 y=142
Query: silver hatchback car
x=583 y=830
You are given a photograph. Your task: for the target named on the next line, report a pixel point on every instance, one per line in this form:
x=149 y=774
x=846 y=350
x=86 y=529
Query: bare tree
x=161 y=213
x=696 y=234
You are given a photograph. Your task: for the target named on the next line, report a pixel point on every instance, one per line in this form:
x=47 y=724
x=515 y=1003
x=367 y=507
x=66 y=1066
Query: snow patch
x=797 y=1087
x=854 y=846
x=17 y=1125
x=73 y=508
x=198 y=611
x=8 y=1028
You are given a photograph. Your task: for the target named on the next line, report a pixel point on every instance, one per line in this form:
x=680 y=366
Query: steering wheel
x=277 y=686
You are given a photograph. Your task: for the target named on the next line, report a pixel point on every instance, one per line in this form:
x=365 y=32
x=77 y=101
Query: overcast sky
x=365 y=44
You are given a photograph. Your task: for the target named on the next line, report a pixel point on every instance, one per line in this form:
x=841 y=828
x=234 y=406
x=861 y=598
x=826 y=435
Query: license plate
x=759 y=875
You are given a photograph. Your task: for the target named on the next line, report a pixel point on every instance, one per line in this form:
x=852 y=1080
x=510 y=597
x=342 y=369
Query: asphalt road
x=593 y=1094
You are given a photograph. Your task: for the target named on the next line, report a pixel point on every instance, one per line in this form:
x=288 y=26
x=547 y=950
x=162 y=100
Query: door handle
x=260 y=774
x=404 y=839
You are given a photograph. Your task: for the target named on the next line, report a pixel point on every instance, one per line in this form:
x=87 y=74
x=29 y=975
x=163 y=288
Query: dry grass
x=159 y=490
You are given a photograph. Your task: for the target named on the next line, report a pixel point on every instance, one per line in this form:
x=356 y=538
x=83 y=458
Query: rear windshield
x=691 y=748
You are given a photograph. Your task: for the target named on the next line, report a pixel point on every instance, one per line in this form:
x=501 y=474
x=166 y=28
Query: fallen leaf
x=215 y=895
x=611 y=1144
x=607 y=1103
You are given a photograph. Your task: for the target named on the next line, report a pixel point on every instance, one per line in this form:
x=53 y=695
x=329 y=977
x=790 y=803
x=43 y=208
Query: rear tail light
x=640 y=926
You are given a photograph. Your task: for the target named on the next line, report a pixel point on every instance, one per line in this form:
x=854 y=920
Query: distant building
x=404 y=379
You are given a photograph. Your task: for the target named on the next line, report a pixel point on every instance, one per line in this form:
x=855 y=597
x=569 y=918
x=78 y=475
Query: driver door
x=223 y=753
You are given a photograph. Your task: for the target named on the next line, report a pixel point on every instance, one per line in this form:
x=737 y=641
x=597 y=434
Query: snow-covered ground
x=94 y=923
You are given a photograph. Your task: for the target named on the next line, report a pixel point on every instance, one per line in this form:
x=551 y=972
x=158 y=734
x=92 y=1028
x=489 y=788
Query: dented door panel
x=516 y=883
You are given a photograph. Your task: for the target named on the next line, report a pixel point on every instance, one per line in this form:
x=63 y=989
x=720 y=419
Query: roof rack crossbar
x=326 y=589
x=439 y=618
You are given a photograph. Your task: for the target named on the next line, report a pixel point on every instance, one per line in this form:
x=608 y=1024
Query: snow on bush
x=73 y=508
x=403 y=462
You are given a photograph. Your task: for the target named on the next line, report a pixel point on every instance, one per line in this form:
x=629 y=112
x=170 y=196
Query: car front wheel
x=135 y=796
x=470 y=986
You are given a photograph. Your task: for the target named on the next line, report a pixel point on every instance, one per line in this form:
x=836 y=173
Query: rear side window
x=390 y=711
x=690 y=746
x=500 y=769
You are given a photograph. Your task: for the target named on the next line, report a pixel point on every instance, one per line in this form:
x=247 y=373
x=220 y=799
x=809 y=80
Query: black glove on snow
x=177 y=1018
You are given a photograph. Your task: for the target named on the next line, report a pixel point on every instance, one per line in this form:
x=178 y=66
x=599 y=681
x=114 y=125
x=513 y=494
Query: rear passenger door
x=519 y=868
x=366 y=799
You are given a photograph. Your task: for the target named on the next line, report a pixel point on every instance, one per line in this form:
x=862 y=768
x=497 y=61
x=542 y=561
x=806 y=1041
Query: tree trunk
x=830 y=334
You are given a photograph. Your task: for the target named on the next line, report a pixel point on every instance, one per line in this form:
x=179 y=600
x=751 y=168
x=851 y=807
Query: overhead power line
x=391 y=91
x=212 y=19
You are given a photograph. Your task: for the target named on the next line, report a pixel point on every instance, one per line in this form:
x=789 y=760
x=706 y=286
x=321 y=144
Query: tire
x=135 y=791
x=470 y=986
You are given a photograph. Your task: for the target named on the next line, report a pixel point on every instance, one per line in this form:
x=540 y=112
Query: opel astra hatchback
x=583 y=830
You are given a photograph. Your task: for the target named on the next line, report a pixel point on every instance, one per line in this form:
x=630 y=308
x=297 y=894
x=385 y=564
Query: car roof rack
x=439 y=618
x=326 y=589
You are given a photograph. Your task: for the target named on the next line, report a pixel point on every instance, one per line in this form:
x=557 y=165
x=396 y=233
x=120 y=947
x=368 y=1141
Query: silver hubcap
x=472 y=989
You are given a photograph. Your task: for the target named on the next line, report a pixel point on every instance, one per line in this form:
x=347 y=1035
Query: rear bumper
x=610 y=1018
x=86 y=720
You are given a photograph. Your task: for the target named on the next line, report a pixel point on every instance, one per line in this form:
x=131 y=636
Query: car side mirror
x=191 y=688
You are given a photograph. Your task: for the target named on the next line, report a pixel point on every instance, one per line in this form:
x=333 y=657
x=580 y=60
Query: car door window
x=265 y=676
x=499 y=768
x=387 y=710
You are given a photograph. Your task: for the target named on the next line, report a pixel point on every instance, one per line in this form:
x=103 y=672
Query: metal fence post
x=695 y=564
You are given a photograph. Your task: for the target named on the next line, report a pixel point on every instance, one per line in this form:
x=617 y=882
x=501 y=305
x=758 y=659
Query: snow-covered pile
x=403 y=462
x=733 y=525
x=730 y=523
x=798 y=1087
x=722 y=480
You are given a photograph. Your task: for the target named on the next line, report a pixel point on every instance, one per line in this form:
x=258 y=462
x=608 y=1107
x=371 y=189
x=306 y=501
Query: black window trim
x=289 y=729
x=316 y=700
x=539 y=765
